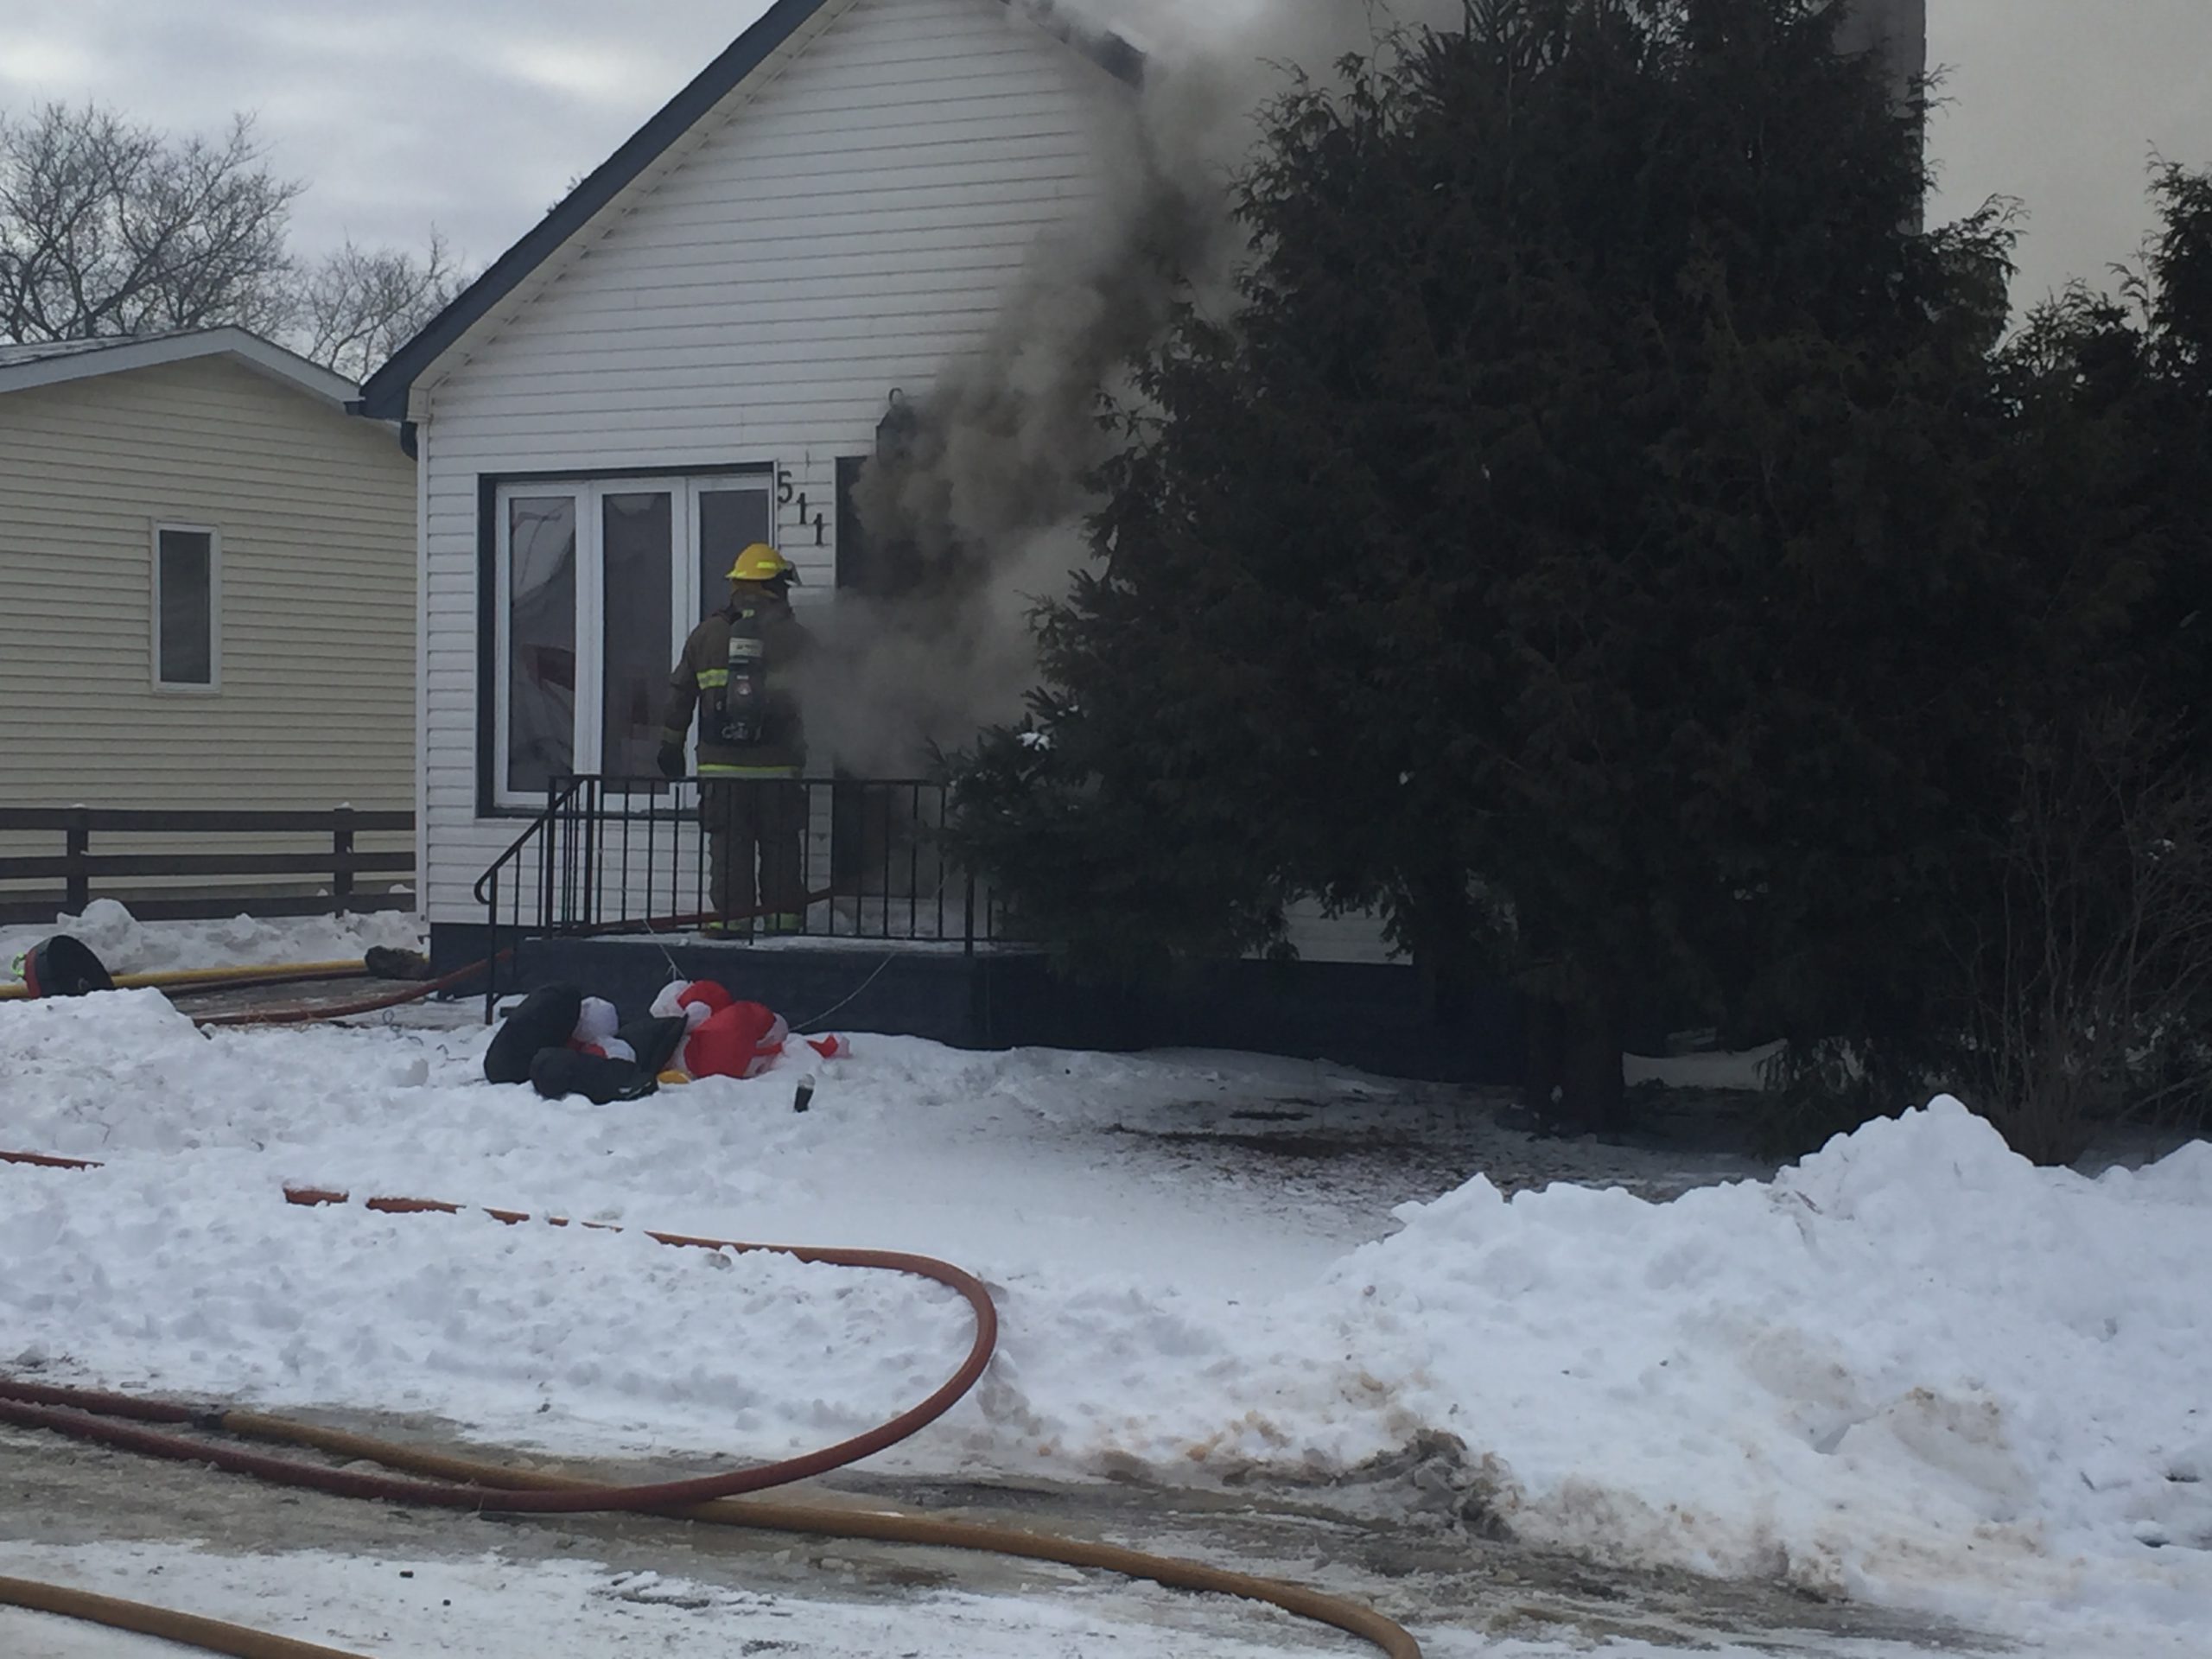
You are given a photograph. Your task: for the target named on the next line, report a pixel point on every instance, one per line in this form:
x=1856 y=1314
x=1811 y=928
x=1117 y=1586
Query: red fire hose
x=111 y=1419
x=84 y=1412
x=458 y=1483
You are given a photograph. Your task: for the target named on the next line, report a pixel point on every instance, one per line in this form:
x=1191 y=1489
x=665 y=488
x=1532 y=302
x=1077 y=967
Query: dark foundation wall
x=1378 y=1018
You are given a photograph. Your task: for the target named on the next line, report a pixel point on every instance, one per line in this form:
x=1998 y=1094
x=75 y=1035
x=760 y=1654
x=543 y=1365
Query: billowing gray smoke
x=985 y=508
x=981 y=514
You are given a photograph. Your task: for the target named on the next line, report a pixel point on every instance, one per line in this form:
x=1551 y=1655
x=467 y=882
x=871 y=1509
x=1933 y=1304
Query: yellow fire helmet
x=761 y=563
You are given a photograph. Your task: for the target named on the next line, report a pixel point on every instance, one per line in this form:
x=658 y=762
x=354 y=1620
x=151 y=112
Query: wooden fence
x=276 y=876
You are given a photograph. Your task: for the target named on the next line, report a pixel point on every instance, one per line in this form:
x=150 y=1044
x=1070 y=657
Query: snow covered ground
x=1913 y=1369
x=129 y=946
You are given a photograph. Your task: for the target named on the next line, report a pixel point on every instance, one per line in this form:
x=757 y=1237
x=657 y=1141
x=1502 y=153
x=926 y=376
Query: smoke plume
x=980 y=513
x=977 y=513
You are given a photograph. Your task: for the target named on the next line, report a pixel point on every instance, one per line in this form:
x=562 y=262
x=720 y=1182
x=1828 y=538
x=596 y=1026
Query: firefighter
x=735 y=671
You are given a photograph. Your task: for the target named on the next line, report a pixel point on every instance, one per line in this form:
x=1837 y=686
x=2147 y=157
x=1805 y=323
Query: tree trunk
x=1593 y=1093
x=1574 y=1075
x=1543 y=1076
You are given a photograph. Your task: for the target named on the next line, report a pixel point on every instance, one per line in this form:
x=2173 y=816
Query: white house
x=207 y=593
x=692 y=352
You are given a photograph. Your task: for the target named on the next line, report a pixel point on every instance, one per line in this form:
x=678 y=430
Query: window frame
x=588 y=491
x=212 y=685
x=502 y=625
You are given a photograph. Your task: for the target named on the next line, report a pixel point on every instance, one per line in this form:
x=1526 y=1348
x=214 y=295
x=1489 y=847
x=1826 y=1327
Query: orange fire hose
x=413 y=991
x=165 y=1622
x=463 y=1483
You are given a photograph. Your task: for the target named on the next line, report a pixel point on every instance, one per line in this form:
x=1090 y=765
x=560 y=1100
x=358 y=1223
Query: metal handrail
x=486 y=889
x=539 y=825
x=613 y=853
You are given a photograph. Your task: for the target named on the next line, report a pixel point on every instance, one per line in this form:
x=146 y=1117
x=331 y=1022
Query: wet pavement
x=1441 y=1578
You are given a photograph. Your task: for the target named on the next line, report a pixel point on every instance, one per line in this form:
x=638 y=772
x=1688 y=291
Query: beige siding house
x=207 y=585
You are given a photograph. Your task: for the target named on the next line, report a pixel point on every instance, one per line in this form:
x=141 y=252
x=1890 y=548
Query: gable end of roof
x=24 y=367
x=385 y=395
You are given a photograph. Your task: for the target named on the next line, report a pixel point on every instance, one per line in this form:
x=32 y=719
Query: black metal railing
x=827 y=859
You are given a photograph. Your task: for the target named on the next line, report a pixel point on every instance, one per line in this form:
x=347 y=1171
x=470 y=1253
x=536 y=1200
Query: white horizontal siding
x=1320 y=937
x=849 y=226
x=851 y=229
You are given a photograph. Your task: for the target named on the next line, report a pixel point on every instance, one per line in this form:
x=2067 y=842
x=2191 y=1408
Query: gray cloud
x=471 y=114
x=475 y=114
x=2061 y=103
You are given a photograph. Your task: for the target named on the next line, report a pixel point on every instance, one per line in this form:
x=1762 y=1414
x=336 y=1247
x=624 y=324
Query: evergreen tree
x=1574 y=546
x=2174 y=293
x=2074 y=979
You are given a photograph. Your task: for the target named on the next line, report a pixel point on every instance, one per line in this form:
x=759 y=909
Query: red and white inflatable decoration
x=730 y=1038
x=595 y=1029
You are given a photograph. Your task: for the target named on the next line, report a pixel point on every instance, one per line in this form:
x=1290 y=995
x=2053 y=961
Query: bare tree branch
x=2089 y=979
x=358 y=305
x=109 y=228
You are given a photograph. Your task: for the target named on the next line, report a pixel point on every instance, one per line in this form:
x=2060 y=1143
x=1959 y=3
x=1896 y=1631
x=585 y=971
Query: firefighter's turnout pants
x=750 y=818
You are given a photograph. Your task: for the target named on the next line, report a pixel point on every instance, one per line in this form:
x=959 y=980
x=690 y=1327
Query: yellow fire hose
x=212 y=978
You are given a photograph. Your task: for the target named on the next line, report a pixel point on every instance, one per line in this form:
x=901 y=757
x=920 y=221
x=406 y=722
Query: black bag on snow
x=656 y=1042
x=62 y=966
x=547 y=1018
x=559 y=1072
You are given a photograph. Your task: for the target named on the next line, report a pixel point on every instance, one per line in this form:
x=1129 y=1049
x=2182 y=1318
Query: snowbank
x=128 y=946
x=1914 y=1367
x=1912 y=1364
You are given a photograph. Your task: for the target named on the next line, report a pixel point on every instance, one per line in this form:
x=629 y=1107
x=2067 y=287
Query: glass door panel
x=730 y=520
x=638 y=543
x=541 y=641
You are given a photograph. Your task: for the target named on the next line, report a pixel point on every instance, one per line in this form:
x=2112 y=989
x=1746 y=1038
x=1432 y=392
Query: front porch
x=611 y=889
x=1000 y=996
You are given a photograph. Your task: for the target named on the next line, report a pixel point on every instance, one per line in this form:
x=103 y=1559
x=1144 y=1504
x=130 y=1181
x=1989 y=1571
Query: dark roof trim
x=384 y=397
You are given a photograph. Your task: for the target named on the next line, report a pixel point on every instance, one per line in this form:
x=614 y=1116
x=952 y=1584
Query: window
x=188 y=608
x=599 y=584
x=541 y=617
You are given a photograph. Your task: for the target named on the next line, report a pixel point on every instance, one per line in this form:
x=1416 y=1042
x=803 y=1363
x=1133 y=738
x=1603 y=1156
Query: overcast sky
x=473 y=115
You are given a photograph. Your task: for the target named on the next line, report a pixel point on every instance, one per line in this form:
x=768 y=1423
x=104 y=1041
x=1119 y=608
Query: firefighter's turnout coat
x=754 y=635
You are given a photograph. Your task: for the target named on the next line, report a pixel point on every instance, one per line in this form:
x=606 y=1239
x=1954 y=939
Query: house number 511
x=817 y=522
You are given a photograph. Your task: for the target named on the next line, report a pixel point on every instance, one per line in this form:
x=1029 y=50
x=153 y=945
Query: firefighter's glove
x=671 y=761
